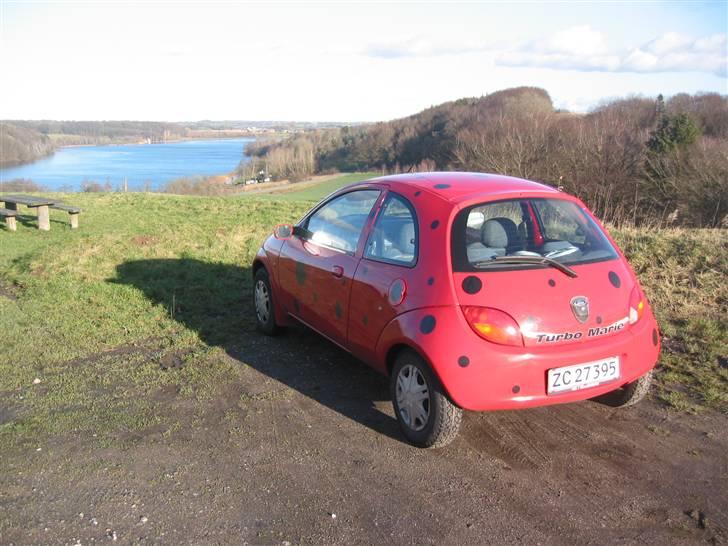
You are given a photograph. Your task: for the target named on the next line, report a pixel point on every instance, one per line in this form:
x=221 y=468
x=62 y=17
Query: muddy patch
x=146 y=348
x=144 y=240
x=7 y=292
x=7 y=415
x=175 y=359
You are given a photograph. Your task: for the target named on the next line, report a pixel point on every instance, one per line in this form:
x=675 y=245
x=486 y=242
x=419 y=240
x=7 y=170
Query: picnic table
x=42 y=204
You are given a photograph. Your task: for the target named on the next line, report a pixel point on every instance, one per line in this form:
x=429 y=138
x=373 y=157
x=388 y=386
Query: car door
x=386 y=271
x=317 y=264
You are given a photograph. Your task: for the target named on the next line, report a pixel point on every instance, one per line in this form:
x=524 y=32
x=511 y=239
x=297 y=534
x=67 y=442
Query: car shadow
x=215 y=300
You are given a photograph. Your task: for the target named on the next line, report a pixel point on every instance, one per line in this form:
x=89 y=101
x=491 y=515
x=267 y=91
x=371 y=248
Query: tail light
x=494 y=325
x=636 y=305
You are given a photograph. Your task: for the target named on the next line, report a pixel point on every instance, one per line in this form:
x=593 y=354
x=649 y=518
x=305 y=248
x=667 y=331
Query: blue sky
x=344 y=61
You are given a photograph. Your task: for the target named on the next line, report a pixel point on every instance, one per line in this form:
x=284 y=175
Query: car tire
x=263 y=304
x=431 y=422
x=629 y=394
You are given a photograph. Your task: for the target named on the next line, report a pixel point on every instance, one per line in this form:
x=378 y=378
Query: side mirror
x=283 y=231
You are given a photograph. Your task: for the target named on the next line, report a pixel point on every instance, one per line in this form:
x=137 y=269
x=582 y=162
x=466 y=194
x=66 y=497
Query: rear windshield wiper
x=542 y=260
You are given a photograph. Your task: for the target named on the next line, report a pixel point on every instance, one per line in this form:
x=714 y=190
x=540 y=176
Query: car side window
x=338 y=224
x=394 y=237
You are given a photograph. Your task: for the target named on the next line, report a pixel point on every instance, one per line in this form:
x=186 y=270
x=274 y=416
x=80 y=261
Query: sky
x=344 y=61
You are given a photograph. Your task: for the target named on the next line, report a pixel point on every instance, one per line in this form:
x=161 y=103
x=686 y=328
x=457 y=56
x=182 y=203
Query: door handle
x=337 y=271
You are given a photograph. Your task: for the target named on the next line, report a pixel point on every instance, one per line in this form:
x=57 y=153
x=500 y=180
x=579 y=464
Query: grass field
x=321 y=190
x=152 y=288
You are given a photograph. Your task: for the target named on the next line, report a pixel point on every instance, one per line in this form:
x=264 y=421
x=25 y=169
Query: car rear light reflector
x=494 y=325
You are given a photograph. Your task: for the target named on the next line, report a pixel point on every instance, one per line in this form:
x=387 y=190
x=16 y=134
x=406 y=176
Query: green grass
x=321 y=190
x=95 y=313
x=152 y=274
x=684 y=273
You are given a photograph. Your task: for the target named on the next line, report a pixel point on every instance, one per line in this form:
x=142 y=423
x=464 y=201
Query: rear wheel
x=263 y=299
x=425 y=414
x=628 y=395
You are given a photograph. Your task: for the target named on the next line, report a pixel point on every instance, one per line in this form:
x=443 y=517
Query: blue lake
x=143 y=165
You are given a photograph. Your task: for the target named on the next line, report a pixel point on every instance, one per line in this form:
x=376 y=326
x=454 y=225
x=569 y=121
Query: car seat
x=498 y=237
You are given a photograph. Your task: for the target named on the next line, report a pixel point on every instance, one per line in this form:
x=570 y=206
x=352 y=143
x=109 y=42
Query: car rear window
x=551 y=228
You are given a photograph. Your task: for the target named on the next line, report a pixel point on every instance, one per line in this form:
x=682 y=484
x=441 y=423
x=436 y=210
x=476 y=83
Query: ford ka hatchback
x=469 y=291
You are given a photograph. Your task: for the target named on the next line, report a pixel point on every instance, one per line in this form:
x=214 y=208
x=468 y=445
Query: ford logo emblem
x=580 y=307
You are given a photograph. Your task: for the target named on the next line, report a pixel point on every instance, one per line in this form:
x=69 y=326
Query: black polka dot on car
x=417 y=193
x=614 y=279
x=442 y=186
x=301 y=273
x=365 y=320
x=431 y=281
x=427 y=324
x=472 y=284
x=552 y=282
x=463 y=361
x=338 y=310
x=655 y=337
x=516 y=389
x=434 y=224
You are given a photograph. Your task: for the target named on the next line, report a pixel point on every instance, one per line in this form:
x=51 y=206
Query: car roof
x=457 y=187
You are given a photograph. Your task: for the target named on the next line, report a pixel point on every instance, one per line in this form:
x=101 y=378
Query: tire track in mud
x=568 y=440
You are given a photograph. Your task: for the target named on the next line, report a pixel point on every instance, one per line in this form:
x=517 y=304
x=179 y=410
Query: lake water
x=143 y=165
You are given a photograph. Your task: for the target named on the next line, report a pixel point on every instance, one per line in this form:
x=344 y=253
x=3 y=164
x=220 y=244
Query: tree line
x=636 y=160
x=21 y=145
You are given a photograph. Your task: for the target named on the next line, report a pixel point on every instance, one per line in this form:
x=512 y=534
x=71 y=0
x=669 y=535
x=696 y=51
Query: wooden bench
x=72 y=211
x=39 y=203
x=42 y=204
x=9 y=216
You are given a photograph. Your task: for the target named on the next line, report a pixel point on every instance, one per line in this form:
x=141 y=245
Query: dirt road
x=304 y=449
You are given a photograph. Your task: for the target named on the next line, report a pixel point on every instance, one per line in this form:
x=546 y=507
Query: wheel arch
x=257 y=265
x=398 y=348
x=394 y=351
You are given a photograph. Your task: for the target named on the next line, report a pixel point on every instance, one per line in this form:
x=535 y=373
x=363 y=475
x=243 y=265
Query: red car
x=469 y=291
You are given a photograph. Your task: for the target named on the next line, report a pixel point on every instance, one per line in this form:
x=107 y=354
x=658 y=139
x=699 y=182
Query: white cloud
x=583 y=48
x=673 y=52
x=667 y=43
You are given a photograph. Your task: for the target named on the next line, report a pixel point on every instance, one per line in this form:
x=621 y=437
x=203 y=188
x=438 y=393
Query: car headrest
x=499 y=233
x=407 y=238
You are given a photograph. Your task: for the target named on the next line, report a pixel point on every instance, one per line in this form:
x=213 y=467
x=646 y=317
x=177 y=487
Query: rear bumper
x=479 y=375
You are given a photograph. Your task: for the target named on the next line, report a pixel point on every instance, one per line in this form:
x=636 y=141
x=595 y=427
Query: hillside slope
x=636 y=159
x=66 y=277
x=22 y=144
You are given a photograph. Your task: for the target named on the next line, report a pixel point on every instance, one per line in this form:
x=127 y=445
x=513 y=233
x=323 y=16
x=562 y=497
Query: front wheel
x=263 y=299
x=425 y=414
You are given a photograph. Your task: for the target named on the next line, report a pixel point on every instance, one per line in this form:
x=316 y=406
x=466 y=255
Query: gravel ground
x=304 y=448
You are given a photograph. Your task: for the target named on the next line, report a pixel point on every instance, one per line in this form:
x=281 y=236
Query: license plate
x=582 y=376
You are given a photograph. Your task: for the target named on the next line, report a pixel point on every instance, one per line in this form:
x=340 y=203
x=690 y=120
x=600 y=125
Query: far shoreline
x=171 y=141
